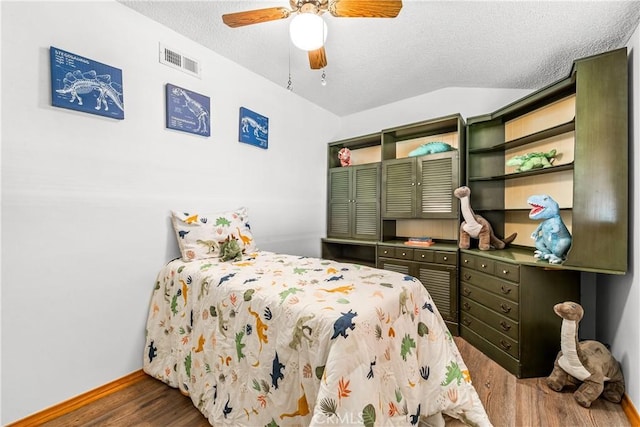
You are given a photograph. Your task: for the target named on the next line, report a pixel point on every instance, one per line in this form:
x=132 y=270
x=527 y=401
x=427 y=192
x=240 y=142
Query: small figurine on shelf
x=344 y=155
x=552 y=237
x=476 y=226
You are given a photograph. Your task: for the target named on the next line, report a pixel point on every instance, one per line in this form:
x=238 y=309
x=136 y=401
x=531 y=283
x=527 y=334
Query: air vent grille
x=177 y=60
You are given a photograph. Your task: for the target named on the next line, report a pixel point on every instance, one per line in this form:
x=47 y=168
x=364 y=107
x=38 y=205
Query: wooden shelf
x=584 y=117
x=538 y=136
x=533 y=172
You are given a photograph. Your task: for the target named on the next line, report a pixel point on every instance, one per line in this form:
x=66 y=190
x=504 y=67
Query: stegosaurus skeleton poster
x=82 y=84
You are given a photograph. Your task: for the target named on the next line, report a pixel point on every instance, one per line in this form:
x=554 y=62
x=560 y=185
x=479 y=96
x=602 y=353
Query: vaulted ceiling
x=429 y=46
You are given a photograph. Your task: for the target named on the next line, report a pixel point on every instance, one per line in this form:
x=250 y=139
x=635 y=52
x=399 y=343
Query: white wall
x=618 y=297
x=85 y=199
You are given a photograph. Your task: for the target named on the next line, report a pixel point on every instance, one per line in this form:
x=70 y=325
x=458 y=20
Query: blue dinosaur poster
x=82 y=84
x=188 y=111
x=254 y=128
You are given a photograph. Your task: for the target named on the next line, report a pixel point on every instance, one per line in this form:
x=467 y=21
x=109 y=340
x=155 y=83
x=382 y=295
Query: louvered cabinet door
x=438 y=178
x=365 y=198
x=340 y=207
x=441 y=282
x=398 y=188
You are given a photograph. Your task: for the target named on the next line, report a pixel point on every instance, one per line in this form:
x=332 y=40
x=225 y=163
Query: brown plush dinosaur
x=476 y=226
x=588 y=365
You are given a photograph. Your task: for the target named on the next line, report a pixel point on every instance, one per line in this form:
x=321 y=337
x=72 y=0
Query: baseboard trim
x=77 y=402
x=630 y=411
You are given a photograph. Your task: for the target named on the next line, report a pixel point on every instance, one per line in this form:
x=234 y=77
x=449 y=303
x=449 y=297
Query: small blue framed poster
x=188 y=111
x=82 y=84
x=254 y=128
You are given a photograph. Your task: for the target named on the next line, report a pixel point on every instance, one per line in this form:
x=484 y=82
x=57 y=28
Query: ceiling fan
x=337 y=8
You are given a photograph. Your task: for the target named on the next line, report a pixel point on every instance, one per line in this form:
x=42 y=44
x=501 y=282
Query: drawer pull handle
x=466 y=291
x=404 y=254
x=505 y=308
x=484 y=266
x=445 y=258
x=467 y=276
x=505 y=345
x=466 y=261
x=505 y=326
x=504 y=290
x=422 y=255
x=466 y=321
x=505 y=272
x=466 y=306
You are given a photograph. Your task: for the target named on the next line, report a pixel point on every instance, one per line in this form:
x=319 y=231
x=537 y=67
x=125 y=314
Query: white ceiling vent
x=177 y=60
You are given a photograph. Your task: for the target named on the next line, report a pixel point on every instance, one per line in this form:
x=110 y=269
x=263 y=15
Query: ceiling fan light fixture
x=308 y=31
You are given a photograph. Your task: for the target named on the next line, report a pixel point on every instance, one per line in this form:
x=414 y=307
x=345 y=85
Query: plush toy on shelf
x=530 y=161
x=589 y=365
x=344 y=155
x=476 y=226
x=552 y=238
x=430 y=148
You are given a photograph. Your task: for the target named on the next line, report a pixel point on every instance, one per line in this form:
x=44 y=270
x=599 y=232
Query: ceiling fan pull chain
x=323 y=81
x=289 y=83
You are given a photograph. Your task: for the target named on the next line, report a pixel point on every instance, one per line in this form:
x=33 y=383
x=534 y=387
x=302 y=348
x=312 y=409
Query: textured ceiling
x=429 y=46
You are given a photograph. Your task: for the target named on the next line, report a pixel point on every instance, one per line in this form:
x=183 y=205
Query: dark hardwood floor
x=509 y=402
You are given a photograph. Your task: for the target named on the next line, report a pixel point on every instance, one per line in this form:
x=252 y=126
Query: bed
x=273 y=339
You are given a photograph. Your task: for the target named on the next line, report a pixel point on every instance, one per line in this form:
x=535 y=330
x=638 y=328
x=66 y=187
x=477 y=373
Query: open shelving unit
x=584 y=117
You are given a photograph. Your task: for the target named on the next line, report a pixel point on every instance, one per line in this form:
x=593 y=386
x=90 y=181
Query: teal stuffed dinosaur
x=530 y=161
x=431 y=148
x=552 y=236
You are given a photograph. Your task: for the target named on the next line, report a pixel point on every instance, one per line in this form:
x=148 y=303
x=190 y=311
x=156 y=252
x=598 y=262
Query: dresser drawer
x=386 y=251
x=502 y=324
x=467 y=260
x=450 y=258
x=422 y=255
x=502 y=288
x=507 y=271
x=501 y=341
x=477 y=263
x=403 y=253
x=498 y=354
x=499 y=305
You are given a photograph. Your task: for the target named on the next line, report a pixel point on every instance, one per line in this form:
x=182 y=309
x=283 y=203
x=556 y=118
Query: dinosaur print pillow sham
x=281 y=340
x=200 y=235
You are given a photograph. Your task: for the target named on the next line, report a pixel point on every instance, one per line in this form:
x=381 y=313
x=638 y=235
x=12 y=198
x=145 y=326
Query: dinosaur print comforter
x=280 y=340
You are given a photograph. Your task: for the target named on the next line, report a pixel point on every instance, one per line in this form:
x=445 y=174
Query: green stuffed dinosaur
x=530 y=161
x=230 y=250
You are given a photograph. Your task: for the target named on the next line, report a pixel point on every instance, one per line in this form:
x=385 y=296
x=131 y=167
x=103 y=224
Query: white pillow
x=201 y=234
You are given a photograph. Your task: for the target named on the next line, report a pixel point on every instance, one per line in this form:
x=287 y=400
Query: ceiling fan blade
x=239 y=19
x=317 y=58
x=365 y=8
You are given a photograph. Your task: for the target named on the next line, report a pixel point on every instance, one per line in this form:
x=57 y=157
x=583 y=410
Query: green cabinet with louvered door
x=354 y=195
